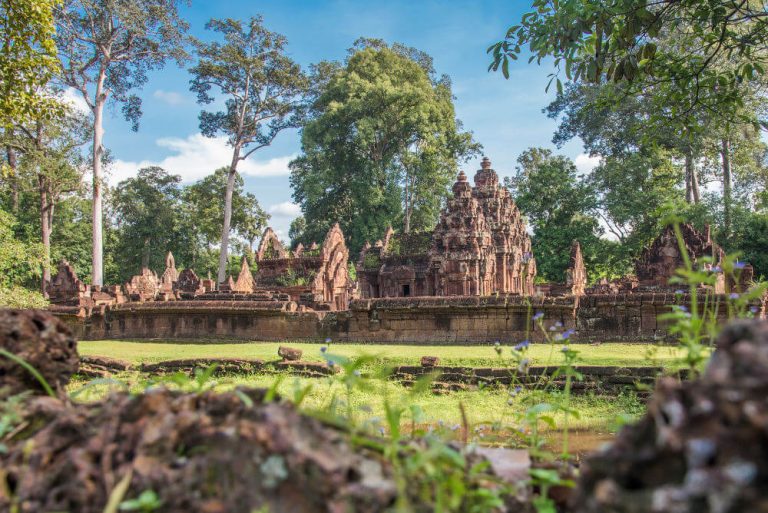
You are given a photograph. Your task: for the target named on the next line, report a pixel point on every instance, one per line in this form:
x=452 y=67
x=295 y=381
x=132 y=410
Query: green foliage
x=381 y=146
x=751 y=239
x=252 y=71
x=296 y=232
x=20 y=262
x=146 y=212
x=146 y=502
x=11 y=415
x=204 y=203
x=557 y=205
x=27 y=59
x=295 y=278
x=371 y=261
x=706 y=50
x=115 y=45
x=153 y=214
x=20 y=297
x=262 y=89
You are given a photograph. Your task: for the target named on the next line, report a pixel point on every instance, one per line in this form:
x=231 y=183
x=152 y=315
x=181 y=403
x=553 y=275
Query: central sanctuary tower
x=479 y=247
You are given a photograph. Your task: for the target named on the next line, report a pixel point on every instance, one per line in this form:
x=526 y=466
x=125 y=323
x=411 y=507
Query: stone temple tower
x=515 y=265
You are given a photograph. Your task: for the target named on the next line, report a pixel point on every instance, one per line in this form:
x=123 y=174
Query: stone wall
x=198 y=320
x=631 y=317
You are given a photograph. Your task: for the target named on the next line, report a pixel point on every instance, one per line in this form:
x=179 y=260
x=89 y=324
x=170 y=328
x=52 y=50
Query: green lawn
x=487 y=410
x=472 y=356
x=486 y=407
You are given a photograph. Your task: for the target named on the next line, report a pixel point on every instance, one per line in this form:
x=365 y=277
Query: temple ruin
x=479 y=247
x=469 y=280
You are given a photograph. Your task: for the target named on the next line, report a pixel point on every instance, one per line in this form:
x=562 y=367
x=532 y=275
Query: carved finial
x=486 y=163
x=169 y=260
x=462 y=177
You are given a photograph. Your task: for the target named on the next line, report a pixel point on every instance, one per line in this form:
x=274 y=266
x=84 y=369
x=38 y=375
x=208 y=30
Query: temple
x=479 y=247
x=470 y=279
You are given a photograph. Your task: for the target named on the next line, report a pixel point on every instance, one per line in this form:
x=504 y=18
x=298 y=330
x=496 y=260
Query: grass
x=625 y=355
x=488 y=410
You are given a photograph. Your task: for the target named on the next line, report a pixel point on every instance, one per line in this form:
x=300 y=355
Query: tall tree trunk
x=407 y=219
x=725 y=153
x=691 y=180
x=45 y=233
x=695 y=186
x=11 y=155
x=223 y=254
x=145 y=254
x=97 y=274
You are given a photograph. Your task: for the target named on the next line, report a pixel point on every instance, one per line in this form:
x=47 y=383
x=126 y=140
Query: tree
x=630 y=193
x=296 y=232
x=19 y=261
x=106 y=49
x=27 y=59
x=557 y=205
x=263 y=89
x=382 y=145
x=50 y=150
x=680 y=43
x=204 y=202
x=147 y=215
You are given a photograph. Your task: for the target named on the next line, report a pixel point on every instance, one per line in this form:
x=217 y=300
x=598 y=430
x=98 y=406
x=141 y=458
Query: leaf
x=118 y=492
x=39 y=377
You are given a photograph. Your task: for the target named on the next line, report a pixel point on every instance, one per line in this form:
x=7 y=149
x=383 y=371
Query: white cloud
x=195 y=157
x=169 y=97
x=75 y=99
x=584 y=163
x=285 y=209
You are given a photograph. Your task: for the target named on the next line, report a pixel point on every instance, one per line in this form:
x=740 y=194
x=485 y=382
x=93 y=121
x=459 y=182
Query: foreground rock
x=702 y=446
x=42 y=341
x=207 y=453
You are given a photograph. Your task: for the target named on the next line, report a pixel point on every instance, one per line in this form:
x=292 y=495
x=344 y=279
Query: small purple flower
x=679 y=292
x=553 y=328
x=538 y=315
x=455 y=427
x=497 y=343
x=323 y=349
x=717 y=269
x=356 y=373
x=682 y=308
x=523 y=365
x=381 y=431
x=558 y=324
x=565 y=349
x=733 y=295
x=522 y=345
x=567 y=334
x=328 y=340
x=754 y=309
x=739 y=265
x=331 y=363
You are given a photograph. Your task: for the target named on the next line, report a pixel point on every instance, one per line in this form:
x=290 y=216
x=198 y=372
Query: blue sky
x=504 y=115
